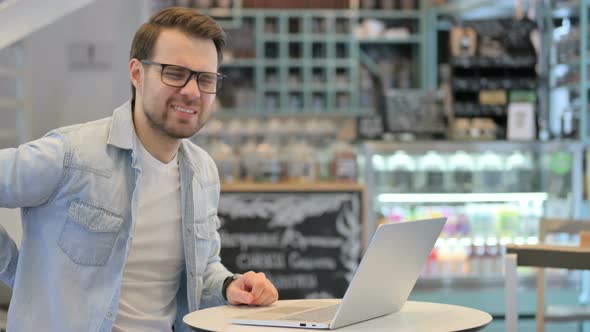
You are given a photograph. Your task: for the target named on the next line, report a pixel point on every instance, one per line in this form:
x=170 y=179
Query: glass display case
x=492 y=193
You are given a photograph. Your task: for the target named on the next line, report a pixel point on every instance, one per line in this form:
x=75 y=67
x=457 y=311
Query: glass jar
x=520 y=173
x=343 y=166
x=300 y=162
x=490 y=171
x=402 y=167
x=226 y=161
x=461 y=169
x=431 y=171
x=268 y=163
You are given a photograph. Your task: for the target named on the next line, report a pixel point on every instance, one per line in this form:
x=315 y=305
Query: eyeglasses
x=178 y=77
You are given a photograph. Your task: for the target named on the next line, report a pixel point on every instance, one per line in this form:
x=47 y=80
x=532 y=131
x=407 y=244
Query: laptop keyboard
x=315 y=315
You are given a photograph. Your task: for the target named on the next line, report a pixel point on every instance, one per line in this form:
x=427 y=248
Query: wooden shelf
x=291 y=186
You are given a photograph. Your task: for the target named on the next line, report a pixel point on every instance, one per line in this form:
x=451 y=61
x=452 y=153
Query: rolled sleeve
x=215 y=274
x=30 y=173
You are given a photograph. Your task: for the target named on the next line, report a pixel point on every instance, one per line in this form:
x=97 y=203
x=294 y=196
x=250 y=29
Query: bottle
x=466 y=247
x=508 y=221
x=463 y=223
x=477 y=255
x=491 y=256
x=568 y=122
x=443 y=256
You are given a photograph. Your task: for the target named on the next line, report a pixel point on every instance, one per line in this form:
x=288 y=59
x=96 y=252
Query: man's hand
x=253 y=289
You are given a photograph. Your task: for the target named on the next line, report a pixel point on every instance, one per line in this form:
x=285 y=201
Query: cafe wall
x=79 y=64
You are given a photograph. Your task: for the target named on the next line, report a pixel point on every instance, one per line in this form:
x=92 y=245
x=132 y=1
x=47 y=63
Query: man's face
x=172 y=111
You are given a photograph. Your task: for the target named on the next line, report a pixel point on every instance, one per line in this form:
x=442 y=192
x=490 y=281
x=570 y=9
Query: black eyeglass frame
x=192 y=73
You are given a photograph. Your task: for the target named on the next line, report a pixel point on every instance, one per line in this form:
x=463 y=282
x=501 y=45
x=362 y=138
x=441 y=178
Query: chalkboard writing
x=307 y=243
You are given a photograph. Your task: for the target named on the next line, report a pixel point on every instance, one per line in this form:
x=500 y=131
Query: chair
x=5 y=295
x=546 y=256
x=3 y=314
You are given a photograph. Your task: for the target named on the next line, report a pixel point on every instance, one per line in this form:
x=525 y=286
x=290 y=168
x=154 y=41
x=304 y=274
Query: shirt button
x=192 y=274
x=188 y=229
x=109 y=314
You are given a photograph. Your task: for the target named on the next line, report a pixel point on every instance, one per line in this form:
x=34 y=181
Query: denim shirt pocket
x=89 y=234
x=205 y=231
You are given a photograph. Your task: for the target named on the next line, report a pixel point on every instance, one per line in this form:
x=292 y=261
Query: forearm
x=8 y=258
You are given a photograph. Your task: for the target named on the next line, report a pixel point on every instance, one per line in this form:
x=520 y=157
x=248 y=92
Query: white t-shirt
x=151 y=275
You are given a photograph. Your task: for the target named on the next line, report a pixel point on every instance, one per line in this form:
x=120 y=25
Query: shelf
x=314 y=42
x=239 y=63
x=570 y=86
x=573 y=63
x=331 y=112
x=412 y=39
x=390 y=14
x=462 y=197
x=271 y=62
x=218 y=12
x=275 y=37
x=272 y=87
x=304 y=37
x=317 y=87
x=298 y=12
x=292 y=187
x=481 y=62
x=388 y=148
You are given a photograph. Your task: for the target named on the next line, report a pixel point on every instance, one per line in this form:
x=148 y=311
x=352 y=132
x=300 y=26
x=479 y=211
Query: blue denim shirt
x=76 y=190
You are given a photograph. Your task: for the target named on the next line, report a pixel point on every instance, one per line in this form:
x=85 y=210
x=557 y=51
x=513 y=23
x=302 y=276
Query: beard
x=173 y=128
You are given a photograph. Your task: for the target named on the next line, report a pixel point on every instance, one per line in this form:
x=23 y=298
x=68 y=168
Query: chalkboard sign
x=307 y=240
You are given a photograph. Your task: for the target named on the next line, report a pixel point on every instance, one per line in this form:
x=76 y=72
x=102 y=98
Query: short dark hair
x=190 y=21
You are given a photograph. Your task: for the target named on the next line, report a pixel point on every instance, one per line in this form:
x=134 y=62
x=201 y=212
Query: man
x=120 y=215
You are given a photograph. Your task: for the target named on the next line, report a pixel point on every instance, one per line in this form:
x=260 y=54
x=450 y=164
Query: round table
x=414 y=317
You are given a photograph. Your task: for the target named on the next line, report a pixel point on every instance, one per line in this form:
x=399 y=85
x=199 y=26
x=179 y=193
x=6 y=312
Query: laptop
x=380 y=286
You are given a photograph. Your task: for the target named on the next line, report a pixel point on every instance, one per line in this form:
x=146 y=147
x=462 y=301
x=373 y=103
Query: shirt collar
x=122 y=130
